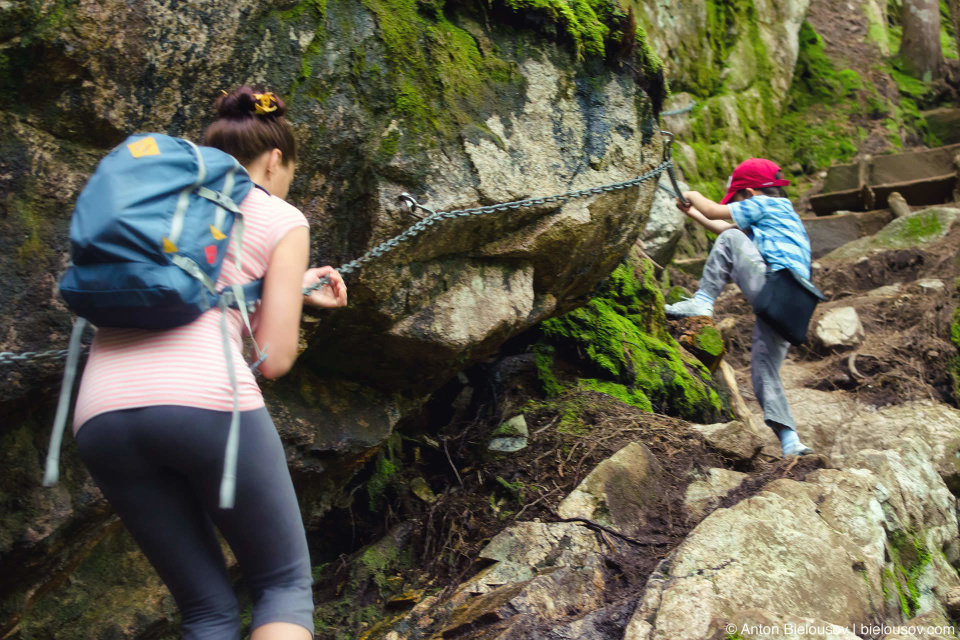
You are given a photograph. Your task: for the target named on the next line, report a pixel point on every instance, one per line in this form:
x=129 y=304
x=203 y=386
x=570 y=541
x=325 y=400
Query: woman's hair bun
x=247 y=102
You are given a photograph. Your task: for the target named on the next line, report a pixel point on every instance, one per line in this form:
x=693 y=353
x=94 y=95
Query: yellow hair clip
x=265 y=102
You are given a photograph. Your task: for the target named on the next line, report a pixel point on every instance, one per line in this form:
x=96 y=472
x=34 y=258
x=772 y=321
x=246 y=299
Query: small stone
x=510 y=436
x=514 y=427
x=885 y=291
x=840 y=328
x=507 y=445
x=726 y=327
x=953 y=602
x=930 y=284
x=422 y=490
x=731 y=439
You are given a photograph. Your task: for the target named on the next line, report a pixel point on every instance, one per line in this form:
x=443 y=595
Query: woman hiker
x=154 y=410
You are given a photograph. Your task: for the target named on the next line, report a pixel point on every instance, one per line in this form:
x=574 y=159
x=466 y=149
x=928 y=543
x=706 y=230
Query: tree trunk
x=920 y=49
x=955 y=14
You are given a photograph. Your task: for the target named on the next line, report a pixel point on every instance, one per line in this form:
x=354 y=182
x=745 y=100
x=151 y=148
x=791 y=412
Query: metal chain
x=434 y=217
x=677 y=112
x=7 y=357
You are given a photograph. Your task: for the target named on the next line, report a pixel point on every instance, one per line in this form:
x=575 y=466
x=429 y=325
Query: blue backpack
x=148 y=238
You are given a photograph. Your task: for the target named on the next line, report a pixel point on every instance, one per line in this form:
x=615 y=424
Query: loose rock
x=839 y=328
x=618 y=492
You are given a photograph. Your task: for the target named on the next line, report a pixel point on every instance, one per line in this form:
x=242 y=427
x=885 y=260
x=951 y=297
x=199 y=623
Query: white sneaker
x=688 y=308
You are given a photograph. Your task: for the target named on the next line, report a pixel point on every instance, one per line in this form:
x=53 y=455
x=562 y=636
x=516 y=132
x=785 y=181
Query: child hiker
x=765 y=235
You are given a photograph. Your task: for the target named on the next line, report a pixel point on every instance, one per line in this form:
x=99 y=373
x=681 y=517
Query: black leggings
x=160 y=468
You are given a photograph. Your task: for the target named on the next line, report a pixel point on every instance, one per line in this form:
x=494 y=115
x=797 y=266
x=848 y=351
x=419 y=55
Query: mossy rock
x=676 y=294
x=700 y=336
x=903 y=233
x=620 y=345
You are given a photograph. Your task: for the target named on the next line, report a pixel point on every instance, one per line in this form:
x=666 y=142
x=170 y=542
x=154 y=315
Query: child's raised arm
x=710 y=209
x=713 y=225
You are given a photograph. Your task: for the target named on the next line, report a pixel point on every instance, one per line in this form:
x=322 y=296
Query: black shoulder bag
x=786 y=302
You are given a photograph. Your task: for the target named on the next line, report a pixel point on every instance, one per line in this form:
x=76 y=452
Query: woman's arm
x=283 y=299
x=282 y=302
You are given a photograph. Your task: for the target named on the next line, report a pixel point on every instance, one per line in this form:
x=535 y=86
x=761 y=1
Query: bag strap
x=228 y=481
x=183 y=202
x=806 y=284
x=52 y=471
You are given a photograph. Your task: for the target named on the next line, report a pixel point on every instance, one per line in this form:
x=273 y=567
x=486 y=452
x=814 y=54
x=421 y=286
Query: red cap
x=755 y=173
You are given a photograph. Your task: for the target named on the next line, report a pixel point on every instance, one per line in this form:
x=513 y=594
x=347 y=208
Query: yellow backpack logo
x=144 y=147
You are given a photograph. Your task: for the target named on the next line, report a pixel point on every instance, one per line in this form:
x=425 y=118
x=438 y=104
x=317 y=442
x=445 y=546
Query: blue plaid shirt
x=777 y=231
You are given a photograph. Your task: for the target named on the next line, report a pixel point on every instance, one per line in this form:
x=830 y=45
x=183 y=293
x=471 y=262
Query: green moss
x=619 y=342
x=543 y=355
x=908 y=85
x=388 y=147
x=710 y=341
x=676 y=294
x=910 y=557
x=634 y=397
x=114 y=592
x=921 y=226
x=386 y=469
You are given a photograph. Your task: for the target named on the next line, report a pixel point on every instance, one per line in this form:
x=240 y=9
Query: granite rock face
x=841 y=548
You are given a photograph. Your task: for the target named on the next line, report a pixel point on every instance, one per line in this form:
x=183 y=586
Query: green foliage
x=619 y=341
x=815 y=129
x=386 y=470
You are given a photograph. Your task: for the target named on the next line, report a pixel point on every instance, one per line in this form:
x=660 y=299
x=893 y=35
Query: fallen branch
x=852 y=365
x=538 y=500
x=650 y=541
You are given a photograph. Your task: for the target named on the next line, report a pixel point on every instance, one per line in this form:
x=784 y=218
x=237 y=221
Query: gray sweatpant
x=160 y=468
x=735 y=258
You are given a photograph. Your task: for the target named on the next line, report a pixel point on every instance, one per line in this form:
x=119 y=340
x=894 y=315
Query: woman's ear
x=274 y=161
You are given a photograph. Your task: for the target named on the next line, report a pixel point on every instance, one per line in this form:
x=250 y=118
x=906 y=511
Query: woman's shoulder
x=258 y=201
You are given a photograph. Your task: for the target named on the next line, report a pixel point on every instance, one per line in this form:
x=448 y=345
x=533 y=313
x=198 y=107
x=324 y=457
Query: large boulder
x=838 y=426
x=664 y=227
x=619 y=492
x=845 y=547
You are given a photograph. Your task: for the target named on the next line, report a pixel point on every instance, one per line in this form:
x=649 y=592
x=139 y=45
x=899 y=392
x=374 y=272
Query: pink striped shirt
x=186 y=366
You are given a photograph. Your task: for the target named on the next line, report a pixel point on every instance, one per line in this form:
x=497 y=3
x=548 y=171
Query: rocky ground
x=617 y=523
